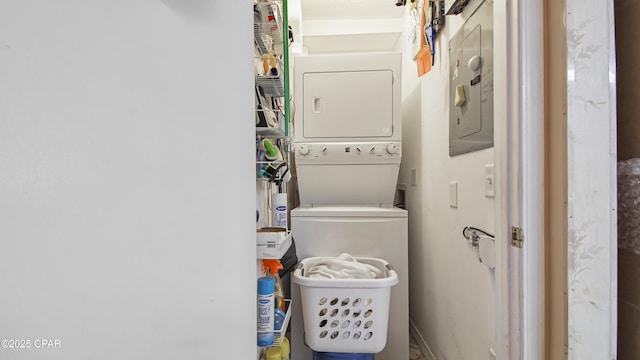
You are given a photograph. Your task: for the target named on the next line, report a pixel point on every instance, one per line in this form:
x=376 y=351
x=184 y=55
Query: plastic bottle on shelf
x=271 y=152
x=279 y=209
x=272 y=266
x=269 y=64
x=266 y=288
x=285 y=348
x=260 y=157
x=274 y=353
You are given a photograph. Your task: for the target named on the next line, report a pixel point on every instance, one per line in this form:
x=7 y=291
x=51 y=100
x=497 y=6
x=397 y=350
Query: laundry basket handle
x=301 y=268
x=389 y=267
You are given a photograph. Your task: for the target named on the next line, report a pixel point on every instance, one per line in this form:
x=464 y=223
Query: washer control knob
x=303 y=150
x=324 y=149
x=358 y=149
x=392 y=148
x=372 y=149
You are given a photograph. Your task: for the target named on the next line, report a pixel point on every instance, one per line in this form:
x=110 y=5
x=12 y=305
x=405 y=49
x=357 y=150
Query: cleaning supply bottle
x=266 y=288
x=285 y=348
x=274 y=353
x=271 y=152
x=279 y=210
x=260 y=158
x=272 y=266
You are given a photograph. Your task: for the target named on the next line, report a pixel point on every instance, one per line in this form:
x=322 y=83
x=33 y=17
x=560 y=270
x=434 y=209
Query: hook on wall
x=474 y=236
x=486 y=248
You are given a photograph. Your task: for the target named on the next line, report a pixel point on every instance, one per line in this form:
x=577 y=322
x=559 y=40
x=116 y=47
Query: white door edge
x=533 y=178
x=506 y=108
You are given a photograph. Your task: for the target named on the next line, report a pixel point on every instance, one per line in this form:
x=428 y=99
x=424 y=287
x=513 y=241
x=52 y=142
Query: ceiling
x=322 y=26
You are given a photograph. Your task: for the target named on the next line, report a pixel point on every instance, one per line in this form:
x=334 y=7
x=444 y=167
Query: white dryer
x=349 y=128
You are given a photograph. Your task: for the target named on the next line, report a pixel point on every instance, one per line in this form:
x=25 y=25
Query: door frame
x=591 y=195
x=592 y=246
x=519 y=129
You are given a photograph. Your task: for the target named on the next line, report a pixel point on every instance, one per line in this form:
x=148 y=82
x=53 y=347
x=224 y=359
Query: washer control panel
x=348 y=153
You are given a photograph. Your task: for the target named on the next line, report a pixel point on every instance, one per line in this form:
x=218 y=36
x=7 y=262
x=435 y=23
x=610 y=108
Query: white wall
x=452 y=302
x=121 y=159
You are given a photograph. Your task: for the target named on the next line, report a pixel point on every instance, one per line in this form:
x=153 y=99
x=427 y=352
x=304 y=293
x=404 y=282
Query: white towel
x=344 y=266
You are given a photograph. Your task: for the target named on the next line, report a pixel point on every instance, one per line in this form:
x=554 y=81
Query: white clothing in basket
x=344 y=266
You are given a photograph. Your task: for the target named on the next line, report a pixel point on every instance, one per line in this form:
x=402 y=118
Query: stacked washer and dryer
x=347 y=136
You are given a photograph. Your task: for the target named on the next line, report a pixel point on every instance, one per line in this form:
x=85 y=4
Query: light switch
x=460 y=98
x=489 y=181
x=453 y=194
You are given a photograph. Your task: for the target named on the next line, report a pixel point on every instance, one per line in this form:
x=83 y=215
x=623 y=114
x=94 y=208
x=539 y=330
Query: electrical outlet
x=489 y=181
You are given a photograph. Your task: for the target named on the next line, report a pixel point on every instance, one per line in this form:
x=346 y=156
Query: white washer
x=379 y=232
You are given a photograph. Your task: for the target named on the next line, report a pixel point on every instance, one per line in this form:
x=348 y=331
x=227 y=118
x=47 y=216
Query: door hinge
x=517 y=237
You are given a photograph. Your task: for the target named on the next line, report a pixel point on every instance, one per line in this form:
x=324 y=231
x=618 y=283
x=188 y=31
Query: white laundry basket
x=346 y=315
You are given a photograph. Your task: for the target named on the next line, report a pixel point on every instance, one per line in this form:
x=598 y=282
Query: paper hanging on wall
x=414 y=31
x=423 y=59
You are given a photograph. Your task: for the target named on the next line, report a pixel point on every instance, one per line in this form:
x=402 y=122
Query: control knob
x=303 y=150
x=392 y=148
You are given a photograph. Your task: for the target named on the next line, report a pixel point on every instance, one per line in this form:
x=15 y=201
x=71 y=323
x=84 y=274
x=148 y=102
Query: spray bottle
x=271 y=152
x=272 y=266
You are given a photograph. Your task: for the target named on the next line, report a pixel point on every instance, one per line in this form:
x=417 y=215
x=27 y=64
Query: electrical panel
x=471 y=84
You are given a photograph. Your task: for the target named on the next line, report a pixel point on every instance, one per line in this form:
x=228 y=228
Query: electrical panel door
x=471 y=84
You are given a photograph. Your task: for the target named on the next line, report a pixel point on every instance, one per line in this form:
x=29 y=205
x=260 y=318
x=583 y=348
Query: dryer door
x=348 y=104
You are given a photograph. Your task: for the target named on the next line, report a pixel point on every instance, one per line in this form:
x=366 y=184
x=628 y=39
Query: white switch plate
x=453 y=194
x=489 y=181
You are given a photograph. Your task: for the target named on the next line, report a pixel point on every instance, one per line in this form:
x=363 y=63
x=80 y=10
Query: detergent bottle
x=272 y=266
